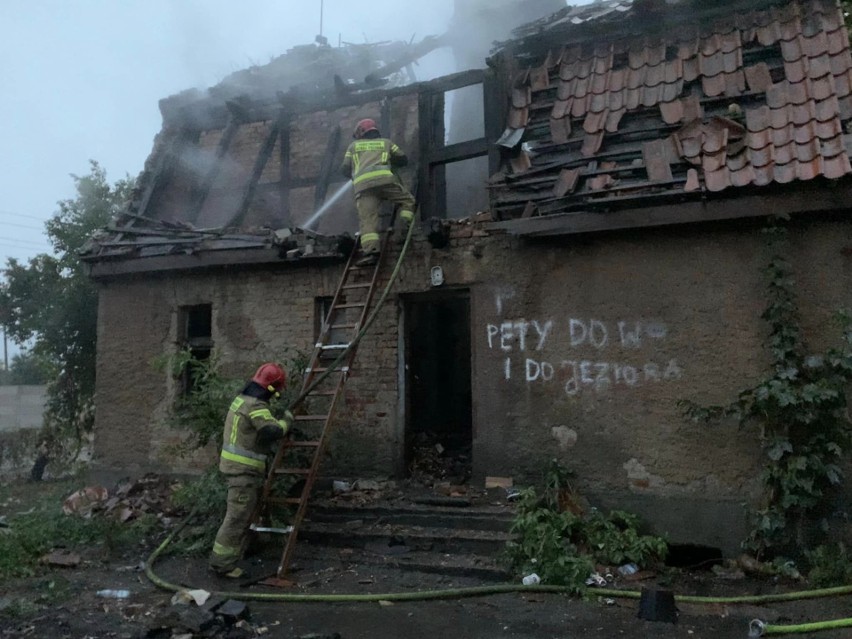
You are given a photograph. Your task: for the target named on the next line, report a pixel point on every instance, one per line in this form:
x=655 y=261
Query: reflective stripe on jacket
x=240 y=451
x=370 y=162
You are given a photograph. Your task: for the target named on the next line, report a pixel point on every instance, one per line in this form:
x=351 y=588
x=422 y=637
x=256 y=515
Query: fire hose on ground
x=756 y=628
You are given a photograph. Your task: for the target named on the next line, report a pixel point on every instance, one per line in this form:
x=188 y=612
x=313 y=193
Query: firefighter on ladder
x=249 y=433
x=371 y=161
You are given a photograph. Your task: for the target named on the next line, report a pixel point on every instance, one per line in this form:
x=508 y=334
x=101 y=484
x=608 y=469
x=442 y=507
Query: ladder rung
x=305 y=444
x=322 y=369
x=269 y=529
x=311 y=418
x=355 y=305
x=325 y=393
x=294 y=471
x=362 y=285
x=330 y=347
x=333 y=326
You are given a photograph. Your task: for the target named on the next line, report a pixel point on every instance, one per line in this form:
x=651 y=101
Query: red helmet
x=363 y=127
x=271 y=376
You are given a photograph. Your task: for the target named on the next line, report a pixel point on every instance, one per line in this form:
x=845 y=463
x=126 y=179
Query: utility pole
x=5 y=350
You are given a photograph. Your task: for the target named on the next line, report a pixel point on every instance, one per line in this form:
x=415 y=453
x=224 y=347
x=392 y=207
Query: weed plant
x=31 y=534
x=562 y=546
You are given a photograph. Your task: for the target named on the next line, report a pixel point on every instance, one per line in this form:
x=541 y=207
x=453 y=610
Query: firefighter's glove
x=289 y=420
x=407 y=217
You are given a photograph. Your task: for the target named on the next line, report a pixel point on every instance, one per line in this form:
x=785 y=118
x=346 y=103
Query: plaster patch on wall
x=638 y=478
x=567 y=437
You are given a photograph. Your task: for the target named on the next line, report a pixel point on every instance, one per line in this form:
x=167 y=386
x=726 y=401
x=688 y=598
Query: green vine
x=802 y=413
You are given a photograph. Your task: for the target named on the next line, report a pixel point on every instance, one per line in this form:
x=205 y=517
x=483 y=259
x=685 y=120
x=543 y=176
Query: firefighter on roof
x=250 y=431
x=371 y=161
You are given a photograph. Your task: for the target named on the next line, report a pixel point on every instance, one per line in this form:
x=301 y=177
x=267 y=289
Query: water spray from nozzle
x=327 y=204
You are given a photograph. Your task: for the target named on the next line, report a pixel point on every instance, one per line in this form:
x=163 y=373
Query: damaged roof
x=737 y=99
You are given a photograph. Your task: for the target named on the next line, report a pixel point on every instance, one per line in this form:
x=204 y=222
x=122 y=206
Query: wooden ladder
x=322 y=384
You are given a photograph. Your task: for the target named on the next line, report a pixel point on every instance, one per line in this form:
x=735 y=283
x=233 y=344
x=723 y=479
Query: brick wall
x=581 y=348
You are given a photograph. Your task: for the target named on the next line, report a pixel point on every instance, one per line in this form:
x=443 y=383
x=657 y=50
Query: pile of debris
x=432 y=463
x=129 y=500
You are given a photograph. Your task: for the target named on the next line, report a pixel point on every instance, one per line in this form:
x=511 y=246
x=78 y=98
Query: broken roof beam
x=203 y=189
x=415 y=52
x=327 y=167
x=793 y=200
x=212 y=114
x=257 y=170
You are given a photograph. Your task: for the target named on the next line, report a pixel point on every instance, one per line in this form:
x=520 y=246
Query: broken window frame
x=199 y=343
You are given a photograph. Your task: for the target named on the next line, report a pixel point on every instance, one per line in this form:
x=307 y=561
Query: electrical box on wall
x=437 y=276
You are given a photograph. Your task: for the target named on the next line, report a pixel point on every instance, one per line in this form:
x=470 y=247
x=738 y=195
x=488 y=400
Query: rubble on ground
x=129 y=500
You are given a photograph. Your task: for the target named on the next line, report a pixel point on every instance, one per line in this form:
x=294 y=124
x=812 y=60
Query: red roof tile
x=816 y=44
x=758 y=77
x=839 y=62
x=738 y=161
x=735 y=83
x=560 y=130
x=692 y=109
x=714 y=85
x=540 y=78
x=692 y=182
x=566 y=183
x=784 y=154
x=592 y=144
x=561 y=108
x=616 y=100
x=717 y=180
x=565 y=89
x=594 y=122
x=518 y=118
x=838 y=41
x=846 y=107
x=776 y=95
x=579 y=106
x=779 y=118
x=613 y=119
x=521 y=97
x=792 y=129
x=807 y=152
x=836 y=167
x=691 y=69
x=782 y=136
x=672 y=111
x=785 y=172
x=832 y=146
x=819 y=65
x=797 y=70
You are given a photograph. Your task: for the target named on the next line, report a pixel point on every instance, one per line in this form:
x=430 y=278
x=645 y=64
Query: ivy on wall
x=800 y=410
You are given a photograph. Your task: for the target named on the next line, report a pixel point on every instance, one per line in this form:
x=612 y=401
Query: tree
x=50 y=302
x=24 y=369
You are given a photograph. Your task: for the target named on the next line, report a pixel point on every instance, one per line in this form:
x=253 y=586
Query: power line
x=14 y=242
x=21 y=226
x=33 y=217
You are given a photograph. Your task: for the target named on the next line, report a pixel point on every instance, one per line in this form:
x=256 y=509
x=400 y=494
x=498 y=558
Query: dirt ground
x=62 y=603
x=149 y=613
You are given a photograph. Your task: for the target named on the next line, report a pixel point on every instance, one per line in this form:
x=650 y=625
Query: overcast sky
x=81 y=79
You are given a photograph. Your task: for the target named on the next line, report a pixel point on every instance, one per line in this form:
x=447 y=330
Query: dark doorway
x=439 y=423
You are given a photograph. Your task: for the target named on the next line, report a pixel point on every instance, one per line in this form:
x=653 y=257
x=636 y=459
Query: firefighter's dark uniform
x=370 y=163
x=243 y=460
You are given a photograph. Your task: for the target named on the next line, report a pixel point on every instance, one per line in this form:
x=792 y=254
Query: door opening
x=439 y=424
